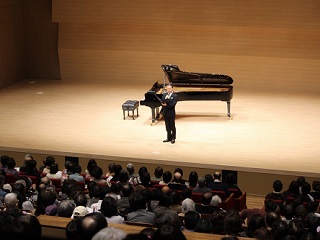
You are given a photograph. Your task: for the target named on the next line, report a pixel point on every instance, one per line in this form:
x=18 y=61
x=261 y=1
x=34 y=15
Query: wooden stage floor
x=269 y=133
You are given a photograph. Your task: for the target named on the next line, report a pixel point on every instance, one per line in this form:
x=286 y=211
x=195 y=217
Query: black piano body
x=190 y=86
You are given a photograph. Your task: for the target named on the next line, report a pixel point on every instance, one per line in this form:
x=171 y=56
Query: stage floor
x=269 y=133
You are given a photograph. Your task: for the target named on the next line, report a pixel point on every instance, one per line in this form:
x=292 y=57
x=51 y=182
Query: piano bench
x=130 y=105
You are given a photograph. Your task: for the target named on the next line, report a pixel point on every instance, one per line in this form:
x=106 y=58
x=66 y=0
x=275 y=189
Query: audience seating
x=56 y=183
x=10 y=178
x=240 y=203
x=228 y=204
x=54 y=228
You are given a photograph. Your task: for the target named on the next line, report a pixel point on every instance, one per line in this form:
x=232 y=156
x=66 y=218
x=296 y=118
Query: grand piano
x=190 y=86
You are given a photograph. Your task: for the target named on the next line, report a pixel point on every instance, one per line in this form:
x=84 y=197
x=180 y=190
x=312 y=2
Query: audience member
x=76 y=174
x=191 y=219
x=203 y=226
x=166 y=178
x=110 y=211
x=11 y=164
x=158 y=172
x=110 y=233
x=193 y=180
x=230 y=180
x=218 y=185
x=163 y=208
x=47 y=163
x=90 y=224
x=139 y=213
x=168 y=232
x=201 y=188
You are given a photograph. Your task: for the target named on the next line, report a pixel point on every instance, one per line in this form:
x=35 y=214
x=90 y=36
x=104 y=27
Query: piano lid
x=178 y=77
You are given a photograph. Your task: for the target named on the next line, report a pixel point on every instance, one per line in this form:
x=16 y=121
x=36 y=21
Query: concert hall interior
x=66 y=69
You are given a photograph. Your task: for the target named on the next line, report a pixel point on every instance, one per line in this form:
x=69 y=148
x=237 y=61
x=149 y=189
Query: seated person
x=231 y=183
x=209 y=204
x=167 y=176
x=276 y=194
x=76 y=170
x=138 y=206
x=201 y=188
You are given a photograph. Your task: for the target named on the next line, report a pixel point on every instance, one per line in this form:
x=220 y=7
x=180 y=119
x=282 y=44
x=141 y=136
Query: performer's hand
x=164 y=104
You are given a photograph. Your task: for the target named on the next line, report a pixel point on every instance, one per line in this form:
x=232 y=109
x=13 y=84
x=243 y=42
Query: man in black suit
x=169 y=101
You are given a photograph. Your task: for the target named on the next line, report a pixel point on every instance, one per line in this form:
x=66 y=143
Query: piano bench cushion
x=130 y=105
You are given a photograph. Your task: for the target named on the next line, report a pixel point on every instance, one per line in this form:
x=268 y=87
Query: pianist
x=169 y=101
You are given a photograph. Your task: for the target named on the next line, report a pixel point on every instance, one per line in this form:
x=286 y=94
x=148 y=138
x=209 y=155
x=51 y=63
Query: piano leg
x=228 y=106
x=153 y=114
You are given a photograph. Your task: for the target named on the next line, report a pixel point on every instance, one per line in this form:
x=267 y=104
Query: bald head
x=11 y=200
x=165 y=189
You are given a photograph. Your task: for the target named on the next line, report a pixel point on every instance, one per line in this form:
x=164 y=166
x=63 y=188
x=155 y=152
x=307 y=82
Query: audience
x=292 y=214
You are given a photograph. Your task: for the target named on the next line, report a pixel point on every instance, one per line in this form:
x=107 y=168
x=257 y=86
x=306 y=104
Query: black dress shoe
x=173 y=141
x=166 y=140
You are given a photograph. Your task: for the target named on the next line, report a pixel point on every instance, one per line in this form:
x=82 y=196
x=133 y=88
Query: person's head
x=4 y=160
x=270 y=206
x=300 y=212
x=217 y=220
x=110 y=233
x=232 y=224
x=79 y=198
x=126 y=190
x=231 y=178
x=301 y=180
x=206 y=198
x=262 y=234
x=34 y=223
x=296 y=228
x=217 y=176
x=191 y=219
x=316 y=186
x=202 y=182
x=91 y=165
x=312 y=222
x=148 y=232
x=46 y=197
x=271 y=218
x=65 y=208
x=54 y=168
x=142 y=170
x=90 y=224
x=167 y=176
x=11 y=200
x=145 y=178
x=11 y=163
x=158 y=172
x=111 y=167
x=193 y=179
x=186 y=193
x=305 y=188
x=130 y=168
x=97 y=172
x=203 y=226
x=169 y=88
x=176 y=198
x=215 y=201
x=188 y=205
x=164 y=219
x=109 y=207
x=69 y=166
x=168 y=232
x=123 y=176
x=208 y=178
x=288 y=211
x=255 y=222
x=165 y=200
x=277 y=186
x=76 y=169
x=312 y=207
x=31 y=166
x=294 y=187
x=137 y=201
x=279 y=229
x=49 y=160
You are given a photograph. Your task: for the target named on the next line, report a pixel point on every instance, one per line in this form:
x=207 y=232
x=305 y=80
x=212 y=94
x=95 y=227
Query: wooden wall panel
x=28 y=41
x=11 y=43
x=269 y=46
